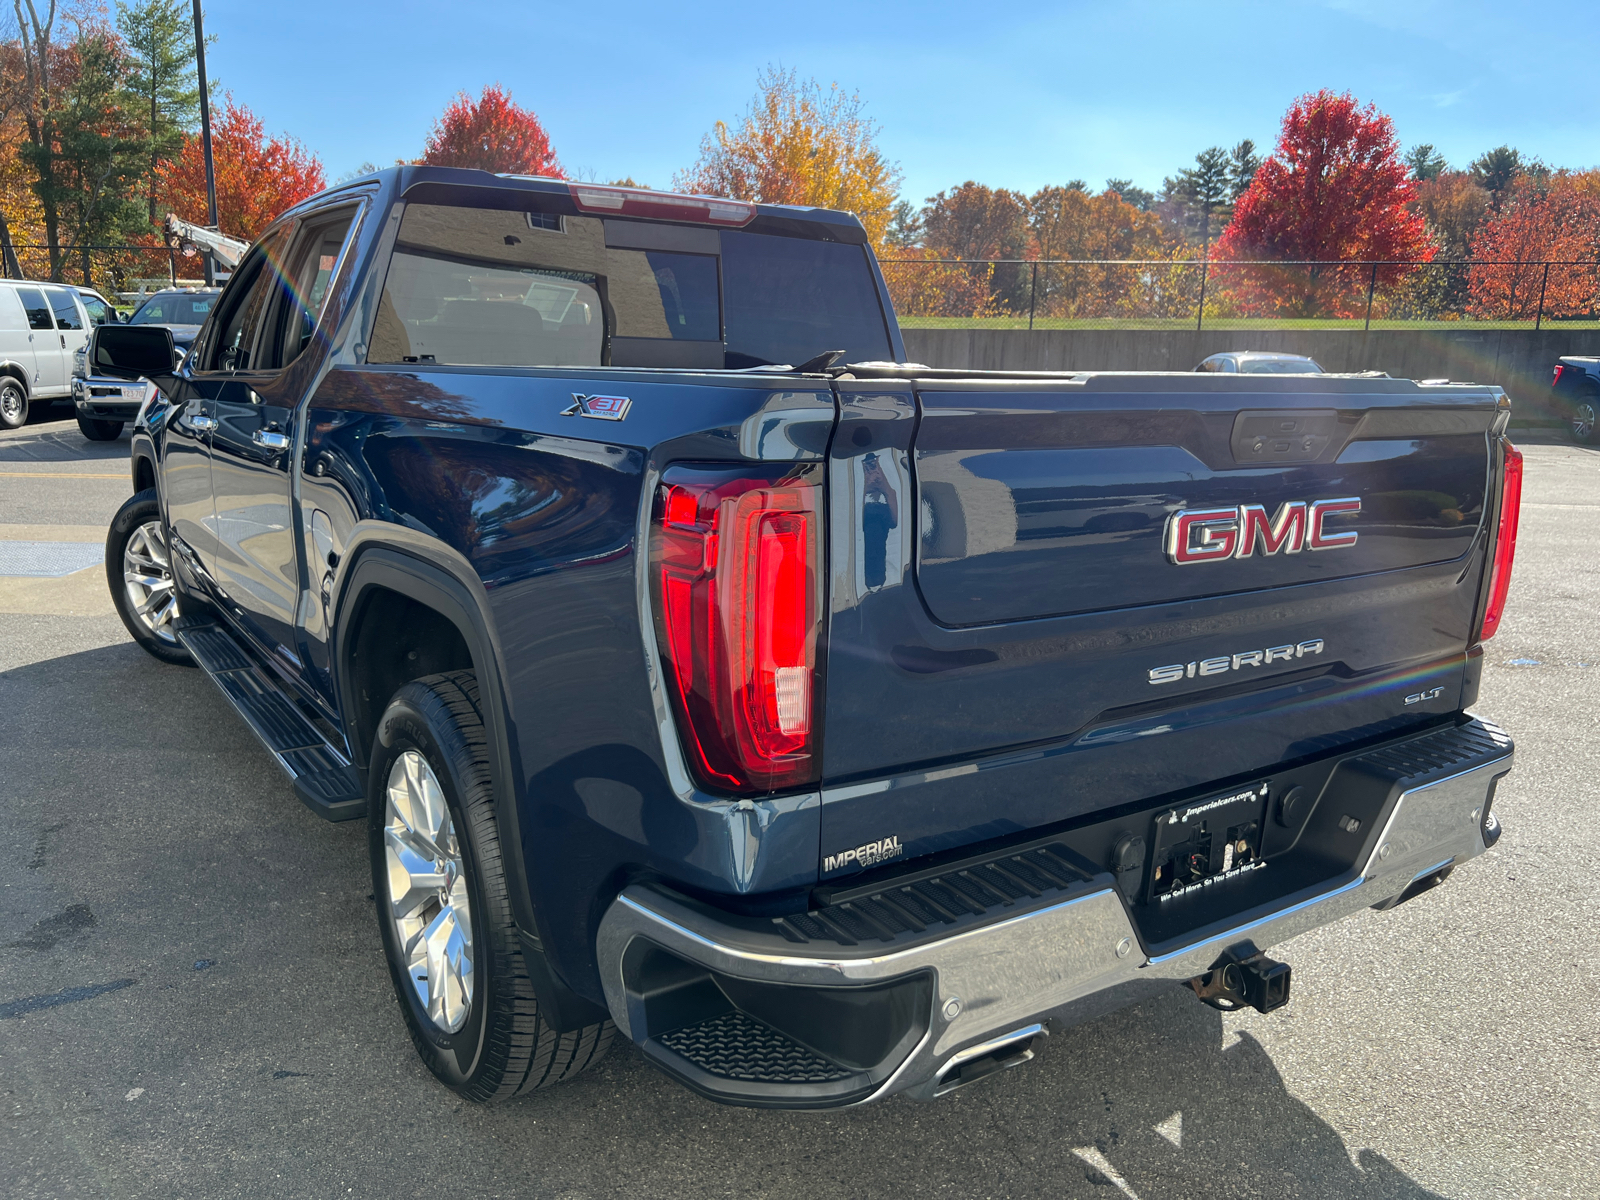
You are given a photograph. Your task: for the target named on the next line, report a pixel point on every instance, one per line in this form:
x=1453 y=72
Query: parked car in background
x=1575 y=388
x=42 y=325
x=182 y=310
x=101 y=311
x=1259 y=362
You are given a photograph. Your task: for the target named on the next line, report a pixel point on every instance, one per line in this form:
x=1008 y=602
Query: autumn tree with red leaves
x=493 y=134
x=1541 y=220
x=1334 y=189
x=258 y=176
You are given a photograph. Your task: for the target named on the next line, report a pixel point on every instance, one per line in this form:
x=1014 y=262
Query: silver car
x=1260 y=362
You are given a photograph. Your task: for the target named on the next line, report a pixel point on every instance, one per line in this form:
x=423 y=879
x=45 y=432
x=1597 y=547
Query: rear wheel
x=13 y=405
x=1583 y=422
x=139 y=573
x=99 y=431
x=443 y=906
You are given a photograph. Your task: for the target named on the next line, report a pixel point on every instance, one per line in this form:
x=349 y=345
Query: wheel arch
x=16 y=371
x=144 y=471
x=391 y=569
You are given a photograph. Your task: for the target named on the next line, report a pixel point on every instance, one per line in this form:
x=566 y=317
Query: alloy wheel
x=147 y=572
x=428 y=897
x=1583 y=420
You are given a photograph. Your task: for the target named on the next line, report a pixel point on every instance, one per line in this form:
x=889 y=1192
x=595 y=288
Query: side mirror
x=132 y=350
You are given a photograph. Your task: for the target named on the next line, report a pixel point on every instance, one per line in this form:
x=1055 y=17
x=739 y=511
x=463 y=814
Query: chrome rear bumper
x=1072 y=960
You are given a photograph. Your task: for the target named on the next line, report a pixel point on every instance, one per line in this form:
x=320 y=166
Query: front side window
x=33 y=303
x=249 y=293
x=65 y=306
x=306 y=279
x=99 y=312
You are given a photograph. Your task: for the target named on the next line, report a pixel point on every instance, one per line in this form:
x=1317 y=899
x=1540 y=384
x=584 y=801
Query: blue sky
x=1012 y=95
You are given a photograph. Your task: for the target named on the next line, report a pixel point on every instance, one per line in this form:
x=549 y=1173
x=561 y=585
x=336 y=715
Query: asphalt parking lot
x=194 y=1003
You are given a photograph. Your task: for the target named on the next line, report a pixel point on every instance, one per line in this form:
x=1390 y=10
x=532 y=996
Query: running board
x=323 y=778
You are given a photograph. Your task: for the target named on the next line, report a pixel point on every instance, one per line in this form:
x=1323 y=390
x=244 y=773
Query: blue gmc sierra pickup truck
x=832 y=726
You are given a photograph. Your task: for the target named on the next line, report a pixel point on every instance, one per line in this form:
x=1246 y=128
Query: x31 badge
x=602 y=408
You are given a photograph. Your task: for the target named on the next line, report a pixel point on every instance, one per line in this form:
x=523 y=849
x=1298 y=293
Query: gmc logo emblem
x=1197 y=535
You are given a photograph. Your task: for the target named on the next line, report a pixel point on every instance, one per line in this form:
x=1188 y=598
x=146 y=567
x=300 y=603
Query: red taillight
x=1505 y=543
x=1555 y=377
x=736 y=564
x=661 y=206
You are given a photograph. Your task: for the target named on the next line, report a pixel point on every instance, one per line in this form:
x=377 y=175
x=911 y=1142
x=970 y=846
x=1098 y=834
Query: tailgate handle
x=1286 y=435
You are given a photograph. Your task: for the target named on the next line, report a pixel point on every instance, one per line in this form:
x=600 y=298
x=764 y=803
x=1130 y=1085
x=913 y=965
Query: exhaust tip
x=989 y=1058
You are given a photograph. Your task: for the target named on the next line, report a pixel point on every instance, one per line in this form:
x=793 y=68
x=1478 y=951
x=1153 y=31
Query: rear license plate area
x=1204 y=843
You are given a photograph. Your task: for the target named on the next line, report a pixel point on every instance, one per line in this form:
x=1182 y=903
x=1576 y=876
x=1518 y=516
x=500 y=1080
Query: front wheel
x=1583 y=422
x=139 y=573
x=443 y=907
x=99 y=431
x=13 y=404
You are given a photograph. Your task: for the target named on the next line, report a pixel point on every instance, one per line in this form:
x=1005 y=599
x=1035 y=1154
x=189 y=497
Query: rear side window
x=66 y=309
x=478 y=287
x=34 y=305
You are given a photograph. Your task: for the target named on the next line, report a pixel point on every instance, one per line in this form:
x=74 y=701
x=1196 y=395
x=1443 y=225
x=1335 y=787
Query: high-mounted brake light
x=1505 y=543
x=661 y=206
x=736 y=572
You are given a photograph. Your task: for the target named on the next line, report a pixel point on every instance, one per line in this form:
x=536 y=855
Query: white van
x=41 y=326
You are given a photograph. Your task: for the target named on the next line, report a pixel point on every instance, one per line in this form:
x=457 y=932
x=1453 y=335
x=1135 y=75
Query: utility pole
x=205 y=137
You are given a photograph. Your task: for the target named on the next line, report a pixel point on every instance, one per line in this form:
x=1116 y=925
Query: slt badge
x=602 y=408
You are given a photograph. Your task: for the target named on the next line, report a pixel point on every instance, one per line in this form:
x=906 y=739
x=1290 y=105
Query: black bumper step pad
x=734 y=1046
x=959 y=895
x=1442 y=753
x=323 y=778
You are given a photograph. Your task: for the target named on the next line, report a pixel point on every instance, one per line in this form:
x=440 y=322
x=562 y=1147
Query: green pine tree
x=160 y=40
x=99 y=154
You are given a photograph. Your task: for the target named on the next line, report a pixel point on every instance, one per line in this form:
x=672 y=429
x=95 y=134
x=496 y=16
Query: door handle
x=203 y=423
x=270 y=439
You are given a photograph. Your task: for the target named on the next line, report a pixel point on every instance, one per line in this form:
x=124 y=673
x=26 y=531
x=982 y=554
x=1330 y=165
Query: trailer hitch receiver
x=1244 y=978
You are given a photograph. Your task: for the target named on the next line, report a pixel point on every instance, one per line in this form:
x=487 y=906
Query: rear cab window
x=488 y=287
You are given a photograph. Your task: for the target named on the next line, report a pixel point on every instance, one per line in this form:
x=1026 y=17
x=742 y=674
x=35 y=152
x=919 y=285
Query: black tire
x=503 y=1048
x=99 y=431
x=140 y=513
x=1584 y=423
x=13 y=404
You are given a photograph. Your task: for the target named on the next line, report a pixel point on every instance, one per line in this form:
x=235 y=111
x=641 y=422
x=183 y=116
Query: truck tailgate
x=1026 y=628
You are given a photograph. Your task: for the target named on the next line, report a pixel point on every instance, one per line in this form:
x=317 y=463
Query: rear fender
x=385 y=556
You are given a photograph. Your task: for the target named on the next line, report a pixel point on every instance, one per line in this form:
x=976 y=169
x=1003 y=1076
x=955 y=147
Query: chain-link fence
x=1193 y=293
